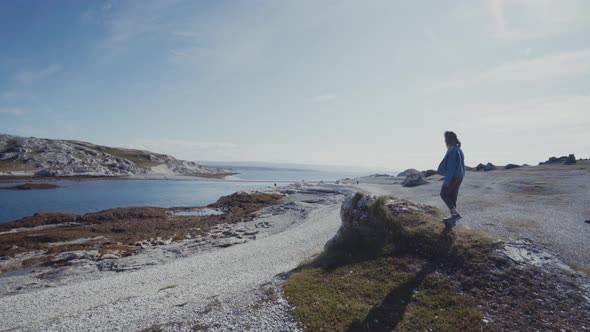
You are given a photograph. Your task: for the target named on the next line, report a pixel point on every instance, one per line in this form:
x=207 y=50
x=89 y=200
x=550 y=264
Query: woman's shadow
x=387 y=315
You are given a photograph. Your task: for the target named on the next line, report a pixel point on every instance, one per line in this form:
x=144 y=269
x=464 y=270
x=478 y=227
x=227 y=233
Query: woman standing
x=452 y=167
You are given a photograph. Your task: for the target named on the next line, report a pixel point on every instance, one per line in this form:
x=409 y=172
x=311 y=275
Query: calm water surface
x=92 y=196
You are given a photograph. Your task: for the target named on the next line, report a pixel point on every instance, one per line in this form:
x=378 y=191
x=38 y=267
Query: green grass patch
x=437 y=307
x=580 y=268
x=367 y=283
x=12 y=165
x=356 y=198
x=332 y=300
x=11 y=144
x=138 y=157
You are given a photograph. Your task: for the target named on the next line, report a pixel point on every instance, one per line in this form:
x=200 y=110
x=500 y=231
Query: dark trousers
x=449 y=193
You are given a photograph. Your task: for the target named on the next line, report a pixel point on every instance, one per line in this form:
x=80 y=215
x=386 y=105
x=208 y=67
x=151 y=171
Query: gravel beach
x=181 y=289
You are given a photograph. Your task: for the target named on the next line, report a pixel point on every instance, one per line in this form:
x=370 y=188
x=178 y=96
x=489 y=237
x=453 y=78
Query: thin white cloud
x=12 y=96
x=13 y=111
x=532 y=70
x=528 y=51
x=28 y=76
x=123 y=31
x=542 y=68
x=131 y=23
x=321 y=98
x=563 y=114
x=530 y=19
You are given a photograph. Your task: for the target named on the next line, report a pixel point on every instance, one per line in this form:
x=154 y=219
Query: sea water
x=93 y=196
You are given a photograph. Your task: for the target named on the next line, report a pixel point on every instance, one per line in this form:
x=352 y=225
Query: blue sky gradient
x=364 y=83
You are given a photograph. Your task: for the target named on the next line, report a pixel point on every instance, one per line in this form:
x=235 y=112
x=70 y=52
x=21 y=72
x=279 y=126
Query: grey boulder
x=413 y=180
x=429 y=172
x=511 y=166
x=408 y=172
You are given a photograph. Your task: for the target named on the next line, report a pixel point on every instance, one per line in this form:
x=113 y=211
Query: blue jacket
x=452 y=165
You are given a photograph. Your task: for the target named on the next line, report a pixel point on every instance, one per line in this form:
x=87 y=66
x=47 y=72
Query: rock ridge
x=55 y=157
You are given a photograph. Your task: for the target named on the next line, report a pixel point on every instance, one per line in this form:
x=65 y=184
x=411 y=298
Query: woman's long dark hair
x=451 y=139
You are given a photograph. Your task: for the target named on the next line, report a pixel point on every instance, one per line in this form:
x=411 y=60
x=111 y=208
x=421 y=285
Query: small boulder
x=164 y=242
x=480 y=167
x=143 y=244
x=413 y=180
x=16 y=150
x=109 y=256
x=489 y=167
x=566 y=160
x=408 y=172
x=358 y=220
x=228 y=242
x=571 y=159
x=511 y=166
x=428 y=173
x=45 y=173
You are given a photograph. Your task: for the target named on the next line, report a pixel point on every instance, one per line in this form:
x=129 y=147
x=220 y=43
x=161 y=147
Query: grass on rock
x=11 y=144
x=331 y=300
x=437 y=307
x=14 y=165
x=138 y=157
x=362 y=284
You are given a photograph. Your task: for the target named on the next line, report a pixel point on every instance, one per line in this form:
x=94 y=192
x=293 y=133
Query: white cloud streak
x=557 y=113
x=321 y=98
x=12 y=96
x=542 y=68
x=537 y=70
x=132 y=22
x=13 y=111
x=28 y=76
x=530 y=19
x=187 y=150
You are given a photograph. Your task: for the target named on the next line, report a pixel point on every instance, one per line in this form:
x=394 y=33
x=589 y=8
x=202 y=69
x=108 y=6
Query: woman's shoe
x=453 y=219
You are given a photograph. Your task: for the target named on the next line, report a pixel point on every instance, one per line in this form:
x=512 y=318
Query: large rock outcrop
x=367 y=218
x=413 y=178
x=429 y=173
x=408 y=172
x=49 y=157
x=566 y=160
x=511 y=166
x=486 y=168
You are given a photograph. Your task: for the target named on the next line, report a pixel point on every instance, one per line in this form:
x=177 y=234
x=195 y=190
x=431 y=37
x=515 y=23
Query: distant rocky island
x=41 y=157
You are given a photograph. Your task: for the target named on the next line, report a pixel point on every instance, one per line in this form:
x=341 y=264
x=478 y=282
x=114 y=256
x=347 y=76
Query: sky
x=361 y=83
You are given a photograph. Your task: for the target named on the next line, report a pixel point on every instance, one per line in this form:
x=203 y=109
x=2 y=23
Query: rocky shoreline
x=251 y=220
x=10 y=178
x=31 y=186
x=60 y=239
x=50 y=158
x=53 y=248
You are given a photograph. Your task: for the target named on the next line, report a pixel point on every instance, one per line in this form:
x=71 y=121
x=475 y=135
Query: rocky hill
x=394 y=266
x=49 y=157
